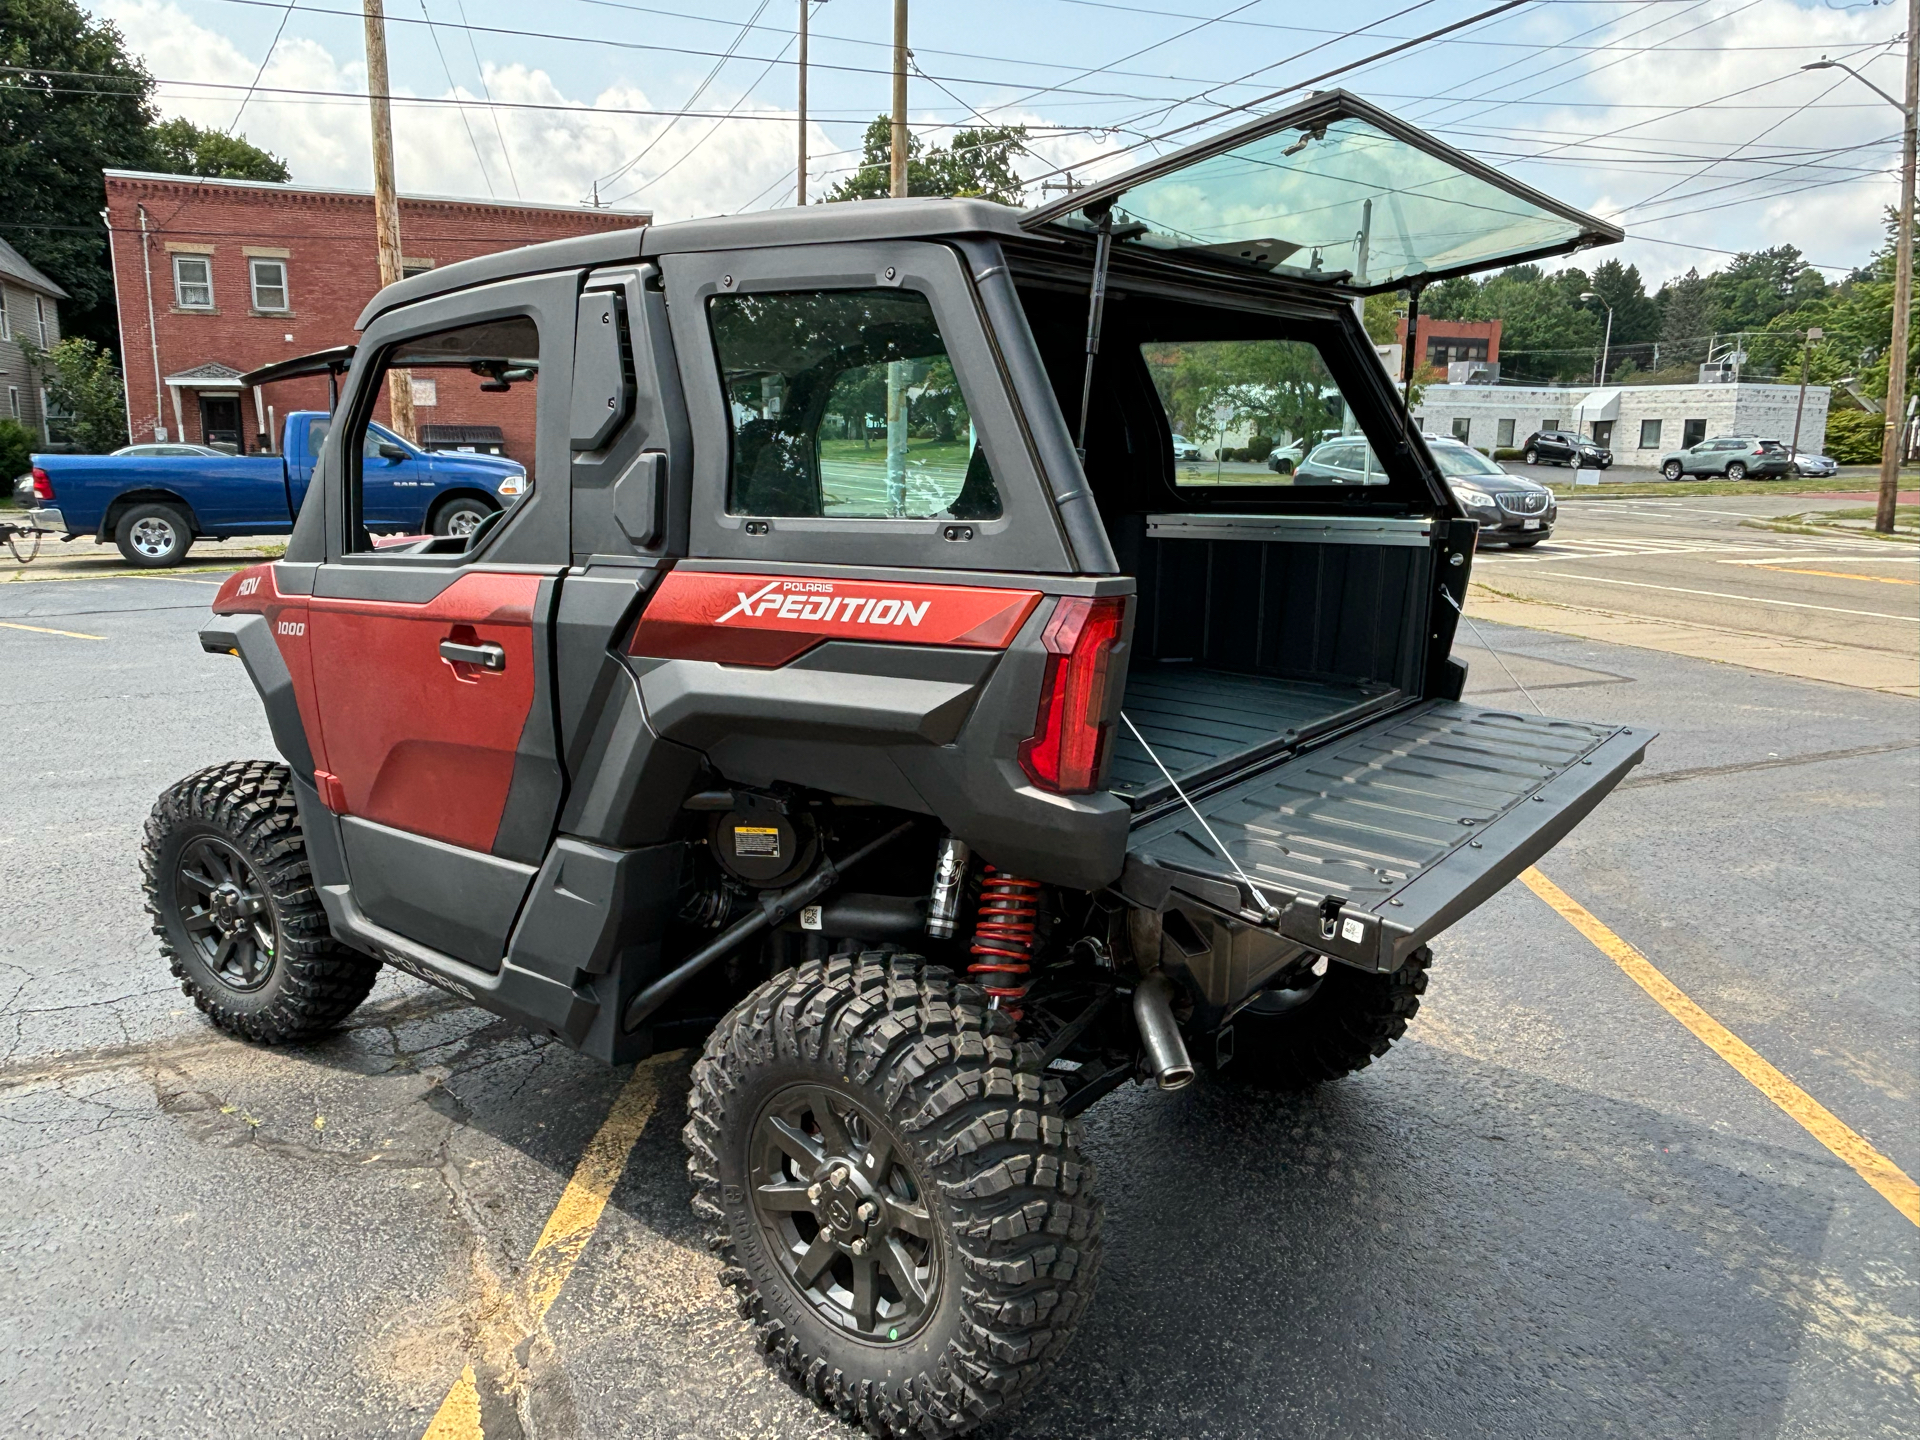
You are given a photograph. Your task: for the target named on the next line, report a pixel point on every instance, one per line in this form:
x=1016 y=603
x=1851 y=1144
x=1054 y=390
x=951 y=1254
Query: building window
x=1503 y=437
x=193 y=282
x=1462 y=428
x=1692 y=432
x=269 y=284
x=1649 y=434
x=40 y=318
x=13 y=401
x=1553 y=424
x=6 y=320
x=411 y=266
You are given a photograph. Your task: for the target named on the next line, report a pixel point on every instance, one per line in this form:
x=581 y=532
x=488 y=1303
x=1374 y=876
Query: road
x=1551 y=1210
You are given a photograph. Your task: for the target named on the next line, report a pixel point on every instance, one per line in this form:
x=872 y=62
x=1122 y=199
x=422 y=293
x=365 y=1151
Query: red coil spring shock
x=1003 y=936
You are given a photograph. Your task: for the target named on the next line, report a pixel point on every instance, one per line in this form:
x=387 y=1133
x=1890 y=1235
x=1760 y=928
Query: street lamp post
x=1814 y=332
x=1606 y=346
x=1893 y=436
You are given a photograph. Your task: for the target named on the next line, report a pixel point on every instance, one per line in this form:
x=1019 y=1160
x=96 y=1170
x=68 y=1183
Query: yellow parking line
x=568 y=1229
x=43 y=630
x=1873 y=1167
x=1840 y=575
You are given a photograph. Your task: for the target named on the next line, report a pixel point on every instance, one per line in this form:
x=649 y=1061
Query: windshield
x=1457 y=462
x=1343 y=193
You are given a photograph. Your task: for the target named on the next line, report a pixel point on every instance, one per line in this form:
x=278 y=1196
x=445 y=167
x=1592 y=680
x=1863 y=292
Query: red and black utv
x=863 y=690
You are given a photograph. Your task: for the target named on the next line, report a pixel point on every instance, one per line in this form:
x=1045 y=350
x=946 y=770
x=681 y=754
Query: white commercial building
x=1639 y=423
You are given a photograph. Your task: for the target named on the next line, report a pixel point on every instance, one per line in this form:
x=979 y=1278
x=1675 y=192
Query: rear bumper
x=1375 y=843
x=47 y=518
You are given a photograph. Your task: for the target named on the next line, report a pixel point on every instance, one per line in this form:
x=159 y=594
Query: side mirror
x=391 y=451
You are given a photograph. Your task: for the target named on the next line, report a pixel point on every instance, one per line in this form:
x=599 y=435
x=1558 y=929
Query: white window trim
x=40 y=316
x=13 y=402
x=179 y=285
x=6 y=316
x=284 y=287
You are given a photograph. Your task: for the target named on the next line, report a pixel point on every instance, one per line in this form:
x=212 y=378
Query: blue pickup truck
x=155 y=506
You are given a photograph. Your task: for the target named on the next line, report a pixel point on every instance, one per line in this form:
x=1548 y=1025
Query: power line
x=465 y=120
x=271 y=47
x=487 y=90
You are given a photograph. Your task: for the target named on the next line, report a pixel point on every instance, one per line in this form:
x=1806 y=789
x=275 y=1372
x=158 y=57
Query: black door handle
x=488 y=656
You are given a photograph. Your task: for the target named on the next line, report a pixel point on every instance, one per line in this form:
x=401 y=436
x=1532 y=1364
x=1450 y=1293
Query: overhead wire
x=487 y=90
x=465 y=119
x=272 y=45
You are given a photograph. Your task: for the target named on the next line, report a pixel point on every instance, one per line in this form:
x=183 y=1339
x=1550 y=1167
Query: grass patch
x=1903 y=515
x=1633 y=489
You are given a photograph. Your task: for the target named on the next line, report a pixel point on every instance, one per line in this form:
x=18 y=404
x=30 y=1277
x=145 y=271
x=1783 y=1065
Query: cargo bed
x=1377 y=839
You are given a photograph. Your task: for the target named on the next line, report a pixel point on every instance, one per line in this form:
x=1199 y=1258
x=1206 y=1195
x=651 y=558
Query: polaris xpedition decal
x=762 y=620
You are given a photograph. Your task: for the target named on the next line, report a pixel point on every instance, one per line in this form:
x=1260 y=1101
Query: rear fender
x=147 y=495
x=267 y=630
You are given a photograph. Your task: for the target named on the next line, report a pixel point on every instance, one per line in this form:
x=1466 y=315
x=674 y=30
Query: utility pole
x=1806 y=349
x=386 y=200
x=800 y=185
x=899 y=147
x=897 y=403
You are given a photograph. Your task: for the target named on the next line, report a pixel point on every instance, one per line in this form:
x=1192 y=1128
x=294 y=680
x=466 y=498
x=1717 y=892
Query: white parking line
x=1722 y=595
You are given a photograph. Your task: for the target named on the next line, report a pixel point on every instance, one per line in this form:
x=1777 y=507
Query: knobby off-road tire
x=232 y=900
x=920 y=1084
x=1292 y=1040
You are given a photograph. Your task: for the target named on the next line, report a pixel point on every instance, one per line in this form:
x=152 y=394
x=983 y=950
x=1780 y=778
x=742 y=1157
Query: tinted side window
x=844 y=404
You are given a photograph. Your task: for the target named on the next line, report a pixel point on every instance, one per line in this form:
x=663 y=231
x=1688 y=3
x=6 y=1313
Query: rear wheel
x=1736 y=471
x=1672 y=470
x=232 y=900
x=893 y=1192
x=461 y=515
x=1323 y=1020
x=154 y=536
x=1532 y=457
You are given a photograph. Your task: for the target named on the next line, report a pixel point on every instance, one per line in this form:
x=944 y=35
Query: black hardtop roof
x=909 y=219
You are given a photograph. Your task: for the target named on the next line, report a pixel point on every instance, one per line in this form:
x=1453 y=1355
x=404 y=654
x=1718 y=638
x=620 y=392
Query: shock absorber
x=1003 y=937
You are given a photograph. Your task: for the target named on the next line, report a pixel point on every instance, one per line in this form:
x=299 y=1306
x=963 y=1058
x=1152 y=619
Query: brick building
x=29 y=311
x=1442 y=343
x=214 y=278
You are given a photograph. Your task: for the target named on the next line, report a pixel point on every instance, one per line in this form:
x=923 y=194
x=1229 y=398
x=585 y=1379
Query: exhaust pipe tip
x=1160 y=1032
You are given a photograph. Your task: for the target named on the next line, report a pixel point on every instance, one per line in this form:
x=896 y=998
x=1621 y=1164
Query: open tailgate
x=1373 y=843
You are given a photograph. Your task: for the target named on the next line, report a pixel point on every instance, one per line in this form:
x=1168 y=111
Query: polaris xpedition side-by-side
x=863 y=689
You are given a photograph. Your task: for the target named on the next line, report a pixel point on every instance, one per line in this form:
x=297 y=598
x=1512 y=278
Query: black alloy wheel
x=226 y=912
x=843 y=1214
x=1736 y=471
x=1673 y=470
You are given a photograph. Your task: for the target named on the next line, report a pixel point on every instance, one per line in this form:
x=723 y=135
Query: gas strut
x=773 y=910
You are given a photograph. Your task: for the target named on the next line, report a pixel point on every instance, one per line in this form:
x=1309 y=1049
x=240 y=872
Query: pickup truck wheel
x=461 y=516
x=1318 y=1027
x=154 y=536
x=225 y=870
x=893 y=1192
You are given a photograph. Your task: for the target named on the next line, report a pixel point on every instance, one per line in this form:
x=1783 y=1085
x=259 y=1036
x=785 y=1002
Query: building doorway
x=1603 y=434
x=220 y=420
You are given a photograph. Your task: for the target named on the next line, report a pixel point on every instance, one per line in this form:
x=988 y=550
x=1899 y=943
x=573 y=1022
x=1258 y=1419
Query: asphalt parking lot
x=1551 y=1210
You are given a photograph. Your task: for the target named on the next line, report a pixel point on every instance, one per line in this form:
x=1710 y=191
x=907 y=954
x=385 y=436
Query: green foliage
x=978 y=165
x=16 y=444
x=1854 y=436
x=57 y=136
x=184 y=148
x=1279 y=387
x=81 y=382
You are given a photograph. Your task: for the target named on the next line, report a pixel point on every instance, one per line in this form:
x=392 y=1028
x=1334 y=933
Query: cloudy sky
x=1691 y=122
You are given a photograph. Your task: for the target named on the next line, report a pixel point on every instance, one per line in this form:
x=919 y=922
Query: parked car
x=169 y=448
x=1736 y=457
x=155 y=506
x=1343 y=460
x=1818 y=466
x=1285 y=459
x=1510 y=509
x=1185 y=449
x=1563 y=447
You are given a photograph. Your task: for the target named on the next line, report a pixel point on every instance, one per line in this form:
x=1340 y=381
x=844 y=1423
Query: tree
x=184 y=148
x=978 y=165
x=57 y=135
x=1688 y=317
x=82 y=384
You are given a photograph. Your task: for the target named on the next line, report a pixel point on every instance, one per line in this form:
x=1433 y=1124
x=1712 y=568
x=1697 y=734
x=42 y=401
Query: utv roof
x=909 y=219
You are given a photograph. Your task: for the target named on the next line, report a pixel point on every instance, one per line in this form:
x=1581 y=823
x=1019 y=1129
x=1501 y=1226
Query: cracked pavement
x=1549 y=1211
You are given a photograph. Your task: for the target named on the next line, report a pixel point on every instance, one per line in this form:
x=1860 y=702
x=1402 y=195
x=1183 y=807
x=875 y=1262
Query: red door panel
x=416 y=741
x=254 y=591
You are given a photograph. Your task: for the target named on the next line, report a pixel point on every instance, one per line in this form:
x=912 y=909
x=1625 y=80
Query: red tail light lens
x=1068 y=748
x=42 y=486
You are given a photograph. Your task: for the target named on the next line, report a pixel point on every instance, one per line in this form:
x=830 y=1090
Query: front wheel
x=460 y=516
x=224 y=862
x=1532 y=457
x=1672 y=470
x=893 y=1191
x=1736 y=471
x=1320 y=1020
x=154 y=537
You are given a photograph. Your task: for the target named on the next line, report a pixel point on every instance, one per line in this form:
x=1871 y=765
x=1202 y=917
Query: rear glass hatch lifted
x=1292 y=738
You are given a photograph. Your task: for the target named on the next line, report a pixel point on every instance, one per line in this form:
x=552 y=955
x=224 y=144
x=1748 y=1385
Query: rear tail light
x=42 y=486
x=1071 y=734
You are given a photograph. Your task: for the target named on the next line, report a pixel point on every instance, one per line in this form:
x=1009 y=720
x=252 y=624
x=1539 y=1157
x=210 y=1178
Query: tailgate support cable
x=1270 y=911
x=1498 y=659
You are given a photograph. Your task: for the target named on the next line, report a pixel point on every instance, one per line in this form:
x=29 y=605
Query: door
x=1603 y=434
x=396 y=480
x=431 y=656
x=220 y=420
